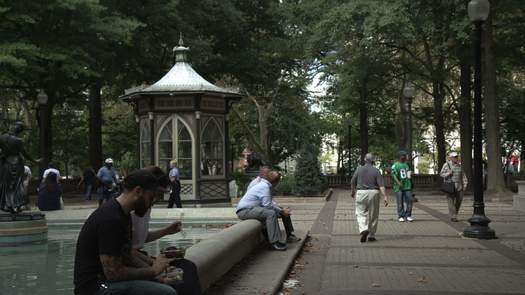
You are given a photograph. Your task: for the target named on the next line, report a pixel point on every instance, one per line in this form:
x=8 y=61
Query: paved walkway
x=427 y=256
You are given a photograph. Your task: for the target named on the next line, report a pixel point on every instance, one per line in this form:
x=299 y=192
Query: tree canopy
x=84 y=53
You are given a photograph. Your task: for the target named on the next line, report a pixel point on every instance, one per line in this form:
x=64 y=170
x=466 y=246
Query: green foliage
x=269 y=49
x=119 y=133
x=128 y=163
x=286 y=186
x=308 y=179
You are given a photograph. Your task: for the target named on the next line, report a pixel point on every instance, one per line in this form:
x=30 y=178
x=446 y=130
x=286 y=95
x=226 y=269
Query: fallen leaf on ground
x=290 y=283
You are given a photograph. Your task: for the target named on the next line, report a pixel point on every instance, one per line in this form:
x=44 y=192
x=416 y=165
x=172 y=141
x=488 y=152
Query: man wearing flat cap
x=452 y=171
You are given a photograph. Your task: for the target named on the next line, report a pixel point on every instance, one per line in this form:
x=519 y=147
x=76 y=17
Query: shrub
x=308 y=178
x=285 y=186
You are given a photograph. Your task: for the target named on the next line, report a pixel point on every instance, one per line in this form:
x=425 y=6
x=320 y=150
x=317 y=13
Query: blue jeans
x=89 y=189
x=137 y=287
x=404 y=203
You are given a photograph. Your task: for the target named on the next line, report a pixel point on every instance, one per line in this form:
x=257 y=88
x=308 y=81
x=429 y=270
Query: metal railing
x=420 y=181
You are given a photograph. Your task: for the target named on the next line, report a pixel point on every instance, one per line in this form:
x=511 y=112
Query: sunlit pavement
x=427 y=256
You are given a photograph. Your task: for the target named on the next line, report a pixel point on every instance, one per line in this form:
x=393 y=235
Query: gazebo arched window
x=175 y=145
x=145 y=144
x=166 y=146
x=212 y=149
x=184 y=150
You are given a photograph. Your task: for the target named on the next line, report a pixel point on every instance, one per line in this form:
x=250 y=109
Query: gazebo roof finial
x=181 y=42
x=181 y=52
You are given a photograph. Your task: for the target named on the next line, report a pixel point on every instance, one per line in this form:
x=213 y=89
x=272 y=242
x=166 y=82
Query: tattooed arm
x=116 y=270
x=141 y=259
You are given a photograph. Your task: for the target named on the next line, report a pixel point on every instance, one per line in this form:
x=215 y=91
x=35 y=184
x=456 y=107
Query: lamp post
x=349 y=123
x=409 y=93
x=478 y=11
x=151 y=118
x=42 y=100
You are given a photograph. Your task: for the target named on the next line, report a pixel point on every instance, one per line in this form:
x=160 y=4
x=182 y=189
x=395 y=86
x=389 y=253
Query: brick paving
x=427 y=256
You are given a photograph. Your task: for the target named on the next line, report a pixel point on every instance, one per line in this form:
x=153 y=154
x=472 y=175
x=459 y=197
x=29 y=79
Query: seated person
x=51 y=168
x=49 y=193
x=263 y=172
x=257 y=204
x=104 y=263
x=141 y=235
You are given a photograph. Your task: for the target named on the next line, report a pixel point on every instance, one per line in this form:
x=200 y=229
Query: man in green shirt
x=402 y=186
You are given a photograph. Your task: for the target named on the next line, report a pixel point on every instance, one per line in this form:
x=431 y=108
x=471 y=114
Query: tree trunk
x=496 y=181
x=439 y=123
x=95 y=127
x=264 y=111
x=363 y=119
x=401 y=123
x=465 y=114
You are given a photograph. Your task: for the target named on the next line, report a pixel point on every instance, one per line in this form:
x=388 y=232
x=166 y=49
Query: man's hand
x=173 y=228
x=386 y=201
x=161 y=263
x=286 y=211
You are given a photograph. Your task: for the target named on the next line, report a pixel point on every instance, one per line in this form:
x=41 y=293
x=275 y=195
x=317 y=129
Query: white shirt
x=139 y=229
x=51 y=170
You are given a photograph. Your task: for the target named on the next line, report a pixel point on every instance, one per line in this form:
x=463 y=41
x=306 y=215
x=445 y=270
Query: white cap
x=108 y=161
x=453 y=154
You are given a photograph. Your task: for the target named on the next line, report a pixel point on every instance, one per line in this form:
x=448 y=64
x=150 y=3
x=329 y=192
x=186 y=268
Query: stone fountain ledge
x=187 y=214
x=217 y=254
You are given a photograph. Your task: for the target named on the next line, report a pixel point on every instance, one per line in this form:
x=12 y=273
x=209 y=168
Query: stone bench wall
x=216 y=255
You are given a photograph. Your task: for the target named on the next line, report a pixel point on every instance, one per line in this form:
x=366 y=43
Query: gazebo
x=184 y=117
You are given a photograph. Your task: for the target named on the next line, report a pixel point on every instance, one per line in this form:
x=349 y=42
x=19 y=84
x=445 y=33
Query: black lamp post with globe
x=43 y=118
x=478 y=11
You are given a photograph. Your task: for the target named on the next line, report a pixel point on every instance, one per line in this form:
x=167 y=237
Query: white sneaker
x=401 y=219
x=410 y=219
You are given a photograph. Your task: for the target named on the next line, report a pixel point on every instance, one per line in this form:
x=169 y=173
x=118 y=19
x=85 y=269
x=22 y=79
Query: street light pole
x=478 y=11
x=43 y=119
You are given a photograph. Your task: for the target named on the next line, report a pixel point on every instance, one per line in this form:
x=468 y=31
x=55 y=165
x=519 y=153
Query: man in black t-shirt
x=103 y=262
x=88 y=179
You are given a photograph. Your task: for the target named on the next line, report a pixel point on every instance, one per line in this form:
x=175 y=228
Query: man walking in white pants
x=366 y=183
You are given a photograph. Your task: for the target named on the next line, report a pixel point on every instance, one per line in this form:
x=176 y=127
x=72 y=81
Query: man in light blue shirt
x=262 y=174
x=258 y=204
x=174 y=175
x=108 y=179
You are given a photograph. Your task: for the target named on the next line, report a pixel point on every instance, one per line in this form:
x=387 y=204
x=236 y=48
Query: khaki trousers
x=367 y=210
x=454 y=203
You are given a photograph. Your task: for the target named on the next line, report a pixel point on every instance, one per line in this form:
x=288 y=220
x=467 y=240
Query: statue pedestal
x=22 y=228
